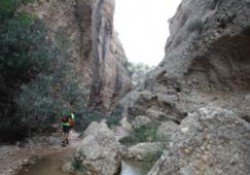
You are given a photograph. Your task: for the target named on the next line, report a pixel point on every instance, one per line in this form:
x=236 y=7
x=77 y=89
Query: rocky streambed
x=53 y=165
x=46 y=156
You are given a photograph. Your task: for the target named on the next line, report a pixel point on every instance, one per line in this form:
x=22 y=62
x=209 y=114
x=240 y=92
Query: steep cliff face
x=206 y=66
x=207 y=60
x=210 y=39
x=108 y=77
x=94 y=49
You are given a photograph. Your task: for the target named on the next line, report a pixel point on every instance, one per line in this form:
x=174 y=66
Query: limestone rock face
x=100 y=150
x=107 y=61
x=206 y=61
x=209 y=141
x=209 y=39
x=206 y=64
x=95 y=50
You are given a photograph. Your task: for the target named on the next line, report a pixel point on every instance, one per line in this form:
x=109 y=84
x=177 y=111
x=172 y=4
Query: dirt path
x=13 y=158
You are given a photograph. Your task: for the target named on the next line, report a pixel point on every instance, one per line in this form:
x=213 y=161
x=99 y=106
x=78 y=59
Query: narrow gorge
x=191 y=115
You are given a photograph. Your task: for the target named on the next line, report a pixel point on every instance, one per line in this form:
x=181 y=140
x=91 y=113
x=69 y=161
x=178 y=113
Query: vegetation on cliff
x=38 y=81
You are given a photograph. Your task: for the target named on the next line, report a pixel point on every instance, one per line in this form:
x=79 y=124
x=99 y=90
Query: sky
x=142 y=27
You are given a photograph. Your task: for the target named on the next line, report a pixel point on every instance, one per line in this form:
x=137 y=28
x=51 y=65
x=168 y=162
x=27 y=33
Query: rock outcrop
x=207 y=60
x=206 y=64
x=209 y=141
x=95 y=50
x=100 y=150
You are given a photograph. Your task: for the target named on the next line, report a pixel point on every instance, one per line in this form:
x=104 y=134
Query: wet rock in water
x=100 y=150
x=215 y=141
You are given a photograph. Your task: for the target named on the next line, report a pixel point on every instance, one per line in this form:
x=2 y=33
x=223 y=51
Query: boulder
x=166 y=130
x=210 y=140
x=140 y=151
x=100 y=150
x=140 y=121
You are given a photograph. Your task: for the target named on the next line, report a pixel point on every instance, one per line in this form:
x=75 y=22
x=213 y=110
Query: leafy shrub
x=77 y=163
x=8 y=7
x=146 y=133
x=38 y=81
x=85 y=117
x=52 y=95
x=115 y=117
x=24 y=53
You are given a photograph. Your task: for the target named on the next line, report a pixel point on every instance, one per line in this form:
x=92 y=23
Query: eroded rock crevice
x=225 y=68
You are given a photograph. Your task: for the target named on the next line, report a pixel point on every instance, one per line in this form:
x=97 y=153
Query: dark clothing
x=66 y=129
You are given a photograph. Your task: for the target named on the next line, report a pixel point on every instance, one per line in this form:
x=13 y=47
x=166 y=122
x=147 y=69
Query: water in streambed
x=130 y=168
x=52 y=165
x=48 y=165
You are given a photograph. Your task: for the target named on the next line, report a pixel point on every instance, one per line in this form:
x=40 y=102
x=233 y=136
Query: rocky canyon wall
x=94 y=49
x=203 y=86
x=206 y=60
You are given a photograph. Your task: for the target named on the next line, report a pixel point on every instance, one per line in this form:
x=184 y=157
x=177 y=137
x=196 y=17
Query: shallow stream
x=49 y=165
x=52 y=165
x=130 y=168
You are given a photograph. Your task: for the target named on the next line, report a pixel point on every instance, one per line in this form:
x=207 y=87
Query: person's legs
x=67 y=138
x=65 y=135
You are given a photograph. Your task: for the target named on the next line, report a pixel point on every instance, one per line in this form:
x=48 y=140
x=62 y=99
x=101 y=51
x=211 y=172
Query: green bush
x=51 y=95
x=115 y=117
x=84 y=117
x=24 y=53
x=77 y=163
x=38 y=81
x=146 y=133
x=8 y=8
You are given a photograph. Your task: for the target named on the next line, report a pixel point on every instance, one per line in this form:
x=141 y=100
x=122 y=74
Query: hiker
x=67 y=124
